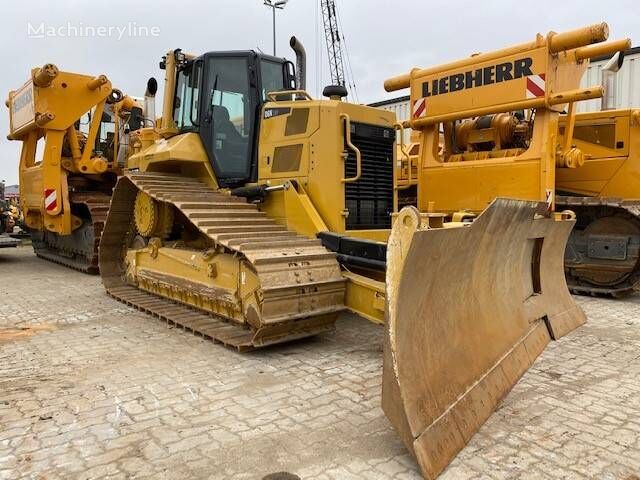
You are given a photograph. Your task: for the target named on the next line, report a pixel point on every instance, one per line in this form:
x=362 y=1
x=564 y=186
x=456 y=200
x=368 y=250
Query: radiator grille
x=369 y=200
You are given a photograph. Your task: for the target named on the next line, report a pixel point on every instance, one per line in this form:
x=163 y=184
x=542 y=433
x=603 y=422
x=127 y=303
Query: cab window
x=185 y=103
x=272 y=77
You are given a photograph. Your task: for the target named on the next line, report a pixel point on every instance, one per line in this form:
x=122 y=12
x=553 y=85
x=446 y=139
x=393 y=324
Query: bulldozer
x=252 y=214
x=69 y=125
x=7 y=221
x=504 y=123
x=603 y=253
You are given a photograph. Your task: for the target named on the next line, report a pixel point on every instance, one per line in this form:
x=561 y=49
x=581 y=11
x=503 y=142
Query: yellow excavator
x=69 y=125
x=504 y=123
x=252 y=214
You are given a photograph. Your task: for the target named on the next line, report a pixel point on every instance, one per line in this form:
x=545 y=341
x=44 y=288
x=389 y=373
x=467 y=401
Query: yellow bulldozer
x=603 y=253
x=504 y=123
x=7 y=221
x=69 y=125
x=253 y=214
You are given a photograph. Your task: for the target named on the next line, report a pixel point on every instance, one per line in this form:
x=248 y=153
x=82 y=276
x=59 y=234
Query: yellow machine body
x=484 y=127
x=328 y=168
x=504 y=124
x=610 y=140
x=58 y=117
x=470 y=167
x=603 y=254
x=293 y=152
x=312 y=229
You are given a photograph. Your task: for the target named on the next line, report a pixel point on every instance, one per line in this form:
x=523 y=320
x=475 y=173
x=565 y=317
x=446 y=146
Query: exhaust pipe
x=150 y=102
x=301 y=62
x=609 y=81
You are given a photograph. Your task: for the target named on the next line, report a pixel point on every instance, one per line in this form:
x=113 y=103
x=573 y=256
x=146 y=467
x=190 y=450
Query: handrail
x=403 y=149
x=347 y=127
x=273 y=96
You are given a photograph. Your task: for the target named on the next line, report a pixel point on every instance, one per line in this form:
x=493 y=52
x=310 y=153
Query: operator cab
x=220 y=95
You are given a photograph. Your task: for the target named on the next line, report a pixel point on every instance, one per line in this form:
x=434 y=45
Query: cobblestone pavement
x=92 y=389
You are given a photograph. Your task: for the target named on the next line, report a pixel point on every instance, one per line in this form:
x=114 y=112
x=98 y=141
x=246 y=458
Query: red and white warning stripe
x=50 y=199
x=420 y=108
x=536 y=86
x=550 y=199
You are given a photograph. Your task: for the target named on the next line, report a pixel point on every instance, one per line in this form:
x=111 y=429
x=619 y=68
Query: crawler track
x=185 y=317
x=7 y=242
x=587 y=268
x=301 y=287
x=79 y=250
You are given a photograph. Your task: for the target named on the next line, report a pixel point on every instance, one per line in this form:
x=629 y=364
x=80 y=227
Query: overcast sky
x=384 y=38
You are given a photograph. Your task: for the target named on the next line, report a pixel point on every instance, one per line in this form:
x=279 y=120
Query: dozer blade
x=468 y=311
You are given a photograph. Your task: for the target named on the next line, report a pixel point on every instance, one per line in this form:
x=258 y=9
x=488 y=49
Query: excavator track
x=79 y=250
x=301 y=287
x=603 y=252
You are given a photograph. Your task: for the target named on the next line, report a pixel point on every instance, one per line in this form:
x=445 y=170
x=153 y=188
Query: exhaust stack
x=150 y=102
x=609 y=81
x=301 y=62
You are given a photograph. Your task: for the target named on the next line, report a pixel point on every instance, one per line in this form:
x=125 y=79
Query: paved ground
x=92 y=389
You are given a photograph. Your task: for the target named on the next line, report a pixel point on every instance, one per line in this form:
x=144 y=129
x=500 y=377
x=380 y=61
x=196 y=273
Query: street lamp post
x=279 y=4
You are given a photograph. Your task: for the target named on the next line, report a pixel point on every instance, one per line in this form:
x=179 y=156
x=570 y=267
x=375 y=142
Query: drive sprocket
x=152 y=218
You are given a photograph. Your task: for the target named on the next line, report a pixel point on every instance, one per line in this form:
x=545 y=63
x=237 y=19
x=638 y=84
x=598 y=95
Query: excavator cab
x=218 y=95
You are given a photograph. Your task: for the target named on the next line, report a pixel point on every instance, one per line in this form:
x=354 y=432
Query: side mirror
x=289 y=73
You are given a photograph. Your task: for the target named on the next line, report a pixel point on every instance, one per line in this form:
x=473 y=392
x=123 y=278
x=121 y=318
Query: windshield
x=229 y=114
x=219 y=95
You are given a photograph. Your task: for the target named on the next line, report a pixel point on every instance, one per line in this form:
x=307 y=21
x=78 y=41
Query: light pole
x=279 y=4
